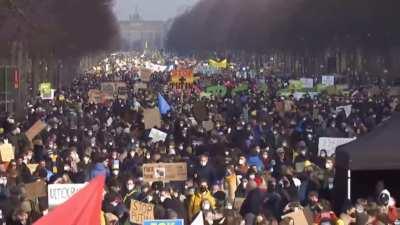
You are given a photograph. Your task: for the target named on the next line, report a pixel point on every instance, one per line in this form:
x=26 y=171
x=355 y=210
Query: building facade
x=138 y=34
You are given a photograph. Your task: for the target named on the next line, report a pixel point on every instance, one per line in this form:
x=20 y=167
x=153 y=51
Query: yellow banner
x=220 y=65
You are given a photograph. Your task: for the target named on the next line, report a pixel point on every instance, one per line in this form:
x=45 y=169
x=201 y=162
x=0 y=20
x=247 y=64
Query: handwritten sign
x=140 y=211
x=59 y=193
x=328 y=80
x=95 y=96
x=152 y=118
x=307 y=82
x=164 y=172
x=157 y=135
x=6 y=152
x=330 y=144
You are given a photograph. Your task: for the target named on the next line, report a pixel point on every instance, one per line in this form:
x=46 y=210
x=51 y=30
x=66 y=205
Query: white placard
x=307 y=82
x=59 y=193
x=330 y=144
x=48 y=97
x=157 y=135
x=328 y=80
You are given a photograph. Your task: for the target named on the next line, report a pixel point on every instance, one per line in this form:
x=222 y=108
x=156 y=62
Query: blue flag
x=163 y=105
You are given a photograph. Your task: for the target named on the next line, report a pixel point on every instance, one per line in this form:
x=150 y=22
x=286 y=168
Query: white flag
x=199 y=220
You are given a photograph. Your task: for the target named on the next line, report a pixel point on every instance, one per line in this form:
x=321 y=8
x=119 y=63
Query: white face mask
x=252 y=177
x=86 y=160
x=116 y=172
x=206 y=206
x=162 y=198
x=130 y=187
x=241 y=162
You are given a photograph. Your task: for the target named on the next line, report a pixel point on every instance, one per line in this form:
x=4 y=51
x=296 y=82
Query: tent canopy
x=377 y=150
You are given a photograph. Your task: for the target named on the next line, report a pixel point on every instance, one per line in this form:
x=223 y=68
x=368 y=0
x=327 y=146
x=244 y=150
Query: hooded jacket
x=196 y=200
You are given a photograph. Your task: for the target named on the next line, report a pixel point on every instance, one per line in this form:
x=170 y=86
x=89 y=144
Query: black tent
x=363 y=162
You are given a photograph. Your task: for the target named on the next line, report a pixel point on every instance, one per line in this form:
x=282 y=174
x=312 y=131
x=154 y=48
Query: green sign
x=45 y=89
x=217 y=90
x=241 y=88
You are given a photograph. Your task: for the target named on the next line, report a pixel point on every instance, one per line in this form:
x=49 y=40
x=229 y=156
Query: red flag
x=83 y=208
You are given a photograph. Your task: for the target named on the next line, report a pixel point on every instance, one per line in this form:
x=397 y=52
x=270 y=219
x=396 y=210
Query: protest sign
x=32 y=167
x=200 y=111
x=6 y=152
x=95 y=96
x=157 y=135
x=164 y=172
x=217 y=90
x=145 y=74
x=328 y=80
x=112 y=89
x=330 y=144
x=107 y=88
x=346 y=108
x=152 y=118
x=139 y=86
x=164 y=222
x=35 y=130
x=140 y=211
x=297 y=216
x=36 y=189
x=241 y=88
x=46 y=92
x=182 y=75
x=223 y=64
x=208 y=125
x=307 y=82
x=59 y=193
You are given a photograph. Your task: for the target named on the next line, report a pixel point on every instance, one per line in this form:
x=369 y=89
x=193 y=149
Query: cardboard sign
x=113 y=89
x=328 y=80
x=36 y=189
x=164 y=222
x=35 y=129
x=140 y=211
x=145 y=74
x=164 y=172
x=330 y=144
x=307 y=82
x=139 y=86
x=6 y=152
x=298 y=217
x=95 y=96
x=32 y=167
x=59 y=193
x=157 y=135
x=200 y=111
x=152 y=118
x=208 y=125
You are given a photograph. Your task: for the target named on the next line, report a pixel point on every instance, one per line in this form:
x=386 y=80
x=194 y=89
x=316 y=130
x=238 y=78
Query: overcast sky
x=151 y=9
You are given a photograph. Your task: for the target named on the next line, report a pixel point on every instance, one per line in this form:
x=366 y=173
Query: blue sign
x=163 y=222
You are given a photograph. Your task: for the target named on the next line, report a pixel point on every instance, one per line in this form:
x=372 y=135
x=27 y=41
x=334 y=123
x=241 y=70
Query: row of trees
x=296 y=27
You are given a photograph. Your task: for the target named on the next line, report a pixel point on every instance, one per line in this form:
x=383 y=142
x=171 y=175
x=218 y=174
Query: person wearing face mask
x=131 y=192
x=231 y=183
x=205 y=171
x=243 y=167
x=201 y=194
x=170 y=202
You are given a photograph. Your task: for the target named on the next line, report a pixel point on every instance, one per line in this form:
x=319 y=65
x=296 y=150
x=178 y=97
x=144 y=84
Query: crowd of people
x=242 y=170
